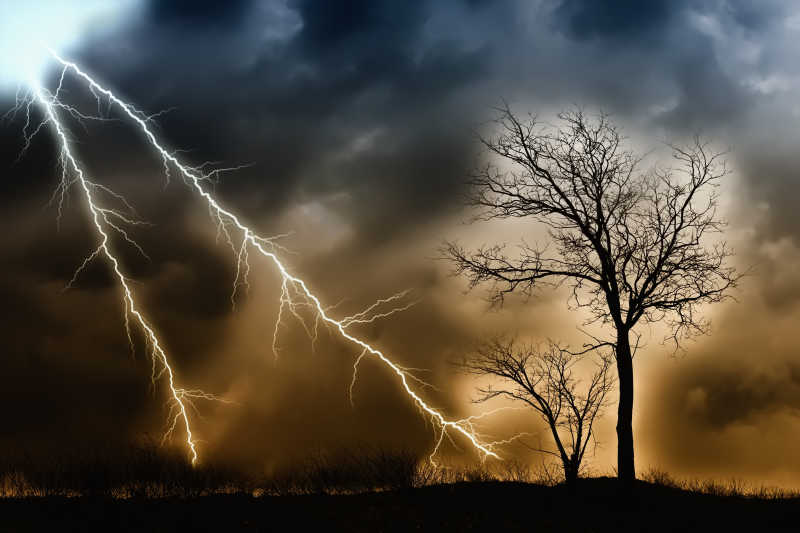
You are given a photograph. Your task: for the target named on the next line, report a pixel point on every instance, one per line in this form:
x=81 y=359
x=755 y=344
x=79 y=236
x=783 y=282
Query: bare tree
x=634 y=246
x=545 y=380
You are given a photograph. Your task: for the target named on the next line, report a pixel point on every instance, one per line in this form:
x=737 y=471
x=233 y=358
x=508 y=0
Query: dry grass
x=151 y=472
x=140 y=472
x=733 y=487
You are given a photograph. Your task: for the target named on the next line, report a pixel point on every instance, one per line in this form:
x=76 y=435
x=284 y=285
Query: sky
x=357 y=123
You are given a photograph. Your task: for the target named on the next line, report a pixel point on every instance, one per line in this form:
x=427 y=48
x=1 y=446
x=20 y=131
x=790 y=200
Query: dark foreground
x=495 y=506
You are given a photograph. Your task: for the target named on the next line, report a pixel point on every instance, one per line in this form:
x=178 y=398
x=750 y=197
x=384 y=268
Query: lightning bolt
x=295 y=293
x=364 y=317
x=105 y=220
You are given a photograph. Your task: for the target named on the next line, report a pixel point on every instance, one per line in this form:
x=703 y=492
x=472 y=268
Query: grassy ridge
x=594 y=505
x=365 y=490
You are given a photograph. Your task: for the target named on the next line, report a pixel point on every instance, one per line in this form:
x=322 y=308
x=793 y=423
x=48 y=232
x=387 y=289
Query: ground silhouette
x=499 y=506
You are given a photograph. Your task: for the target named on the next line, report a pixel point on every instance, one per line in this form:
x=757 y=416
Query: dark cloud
x=300 y=106
x=721 y=397
x=706 y=96
x=360 y=27
x=625 y=20
x=199 y=13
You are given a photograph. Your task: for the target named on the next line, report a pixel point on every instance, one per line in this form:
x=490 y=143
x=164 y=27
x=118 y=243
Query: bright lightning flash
x=295 y=297
x=105 y=220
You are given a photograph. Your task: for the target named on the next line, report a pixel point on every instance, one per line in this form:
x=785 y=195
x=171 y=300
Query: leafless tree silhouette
x=636 y=247
x=545 y=380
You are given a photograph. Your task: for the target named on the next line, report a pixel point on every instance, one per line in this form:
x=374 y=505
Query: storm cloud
x=356 y=124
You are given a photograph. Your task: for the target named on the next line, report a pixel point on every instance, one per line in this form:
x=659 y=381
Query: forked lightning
x=295 y=296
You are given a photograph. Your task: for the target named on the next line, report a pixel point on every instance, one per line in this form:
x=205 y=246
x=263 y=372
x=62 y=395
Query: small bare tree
x=633 y=246
x=545 y=380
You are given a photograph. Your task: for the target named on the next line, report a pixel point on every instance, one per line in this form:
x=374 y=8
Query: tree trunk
x=625 y=464
x=570 y=473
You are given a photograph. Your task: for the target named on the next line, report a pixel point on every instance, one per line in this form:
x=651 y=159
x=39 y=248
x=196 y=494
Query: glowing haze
x=59 y=23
